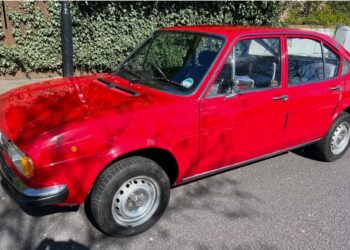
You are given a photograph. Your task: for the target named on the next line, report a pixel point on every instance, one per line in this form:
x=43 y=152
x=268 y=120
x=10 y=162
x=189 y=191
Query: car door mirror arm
x=232 y=94
x=233 y=89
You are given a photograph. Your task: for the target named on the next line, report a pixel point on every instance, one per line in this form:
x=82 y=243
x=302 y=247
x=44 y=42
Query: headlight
x=20 y=160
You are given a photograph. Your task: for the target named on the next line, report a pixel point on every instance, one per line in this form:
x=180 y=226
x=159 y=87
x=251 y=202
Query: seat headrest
x=206 y=57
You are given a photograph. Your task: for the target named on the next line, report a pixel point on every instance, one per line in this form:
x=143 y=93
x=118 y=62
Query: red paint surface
x=46 y=119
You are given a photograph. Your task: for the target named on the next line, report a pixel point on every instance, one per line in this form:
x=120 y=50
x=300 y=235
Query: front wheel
x=336 y=142
x=129 y=196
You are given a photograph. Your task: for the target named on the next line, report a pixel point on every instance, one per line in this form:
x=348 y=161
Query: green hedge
x=105 y=32
x=319 y=13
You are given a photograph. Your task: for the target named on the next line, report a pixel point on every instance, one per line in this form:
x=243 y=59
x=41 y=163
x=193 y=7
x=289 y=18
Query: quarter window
x=345 y=69
x=310 y=61
x=254 y=64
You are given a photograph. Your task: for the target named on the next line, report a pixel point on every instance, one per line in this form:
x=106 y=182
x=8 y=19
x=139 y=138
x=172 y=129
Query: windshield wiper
x=112 y=85
x=131 y=72
x=164 y=77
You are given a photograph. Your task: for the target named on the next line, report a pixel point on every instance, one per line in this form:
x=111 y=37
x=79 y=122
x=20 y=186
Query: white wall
x=326 y=31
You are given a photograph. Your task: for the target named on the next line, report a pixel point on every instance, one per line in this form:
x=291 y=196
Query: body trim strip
x=239 y=164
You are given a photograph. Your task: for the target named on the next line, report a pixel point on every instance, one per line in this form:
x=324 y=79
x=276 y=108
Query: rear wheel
x=129 y=196
x=336 y=142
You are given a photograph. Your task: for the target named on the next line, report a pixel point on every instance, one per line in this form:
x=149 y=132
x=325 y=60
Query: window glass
x=306 y=63
x=331 y=62
x=172 y=61
x=257 y=65
x=304 y=47
x=345 y=69
x=169 y=52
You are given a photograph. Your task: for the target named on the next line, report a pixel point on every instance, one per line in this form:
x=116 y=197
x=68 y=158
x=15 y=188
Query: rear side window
x=305 y=63
x=304 y=47
x=345 y=69
x=310 y=61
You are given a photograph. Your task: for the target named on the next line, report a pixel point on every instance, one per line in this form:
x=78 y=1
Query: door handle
x=336 y=88
x=280 y=98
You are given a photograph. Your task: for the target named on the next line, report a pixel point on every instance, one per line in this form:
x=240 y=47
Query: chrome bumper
x=25 y=195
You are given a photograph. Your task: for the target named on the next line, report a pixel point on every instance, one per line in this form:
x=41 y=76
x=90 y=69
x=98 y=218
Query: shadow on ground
x=50 y=244
x=307 y=152
x=48 y=210
x=219 y=196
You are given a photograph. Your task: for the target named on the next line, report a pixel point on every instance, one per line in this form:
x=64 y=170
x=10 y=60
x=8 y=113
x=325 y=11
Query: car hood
x=33 y=110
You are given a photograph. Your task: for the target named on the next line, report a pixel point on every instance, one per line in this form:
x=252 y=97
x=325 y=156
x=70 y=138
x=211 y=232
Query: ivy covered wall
x=105 y=32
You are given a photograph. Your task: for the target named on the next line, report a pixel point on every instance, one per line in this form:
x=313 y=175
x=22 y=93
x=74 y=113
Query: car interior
x=203 y=62
x=258 y=65
x=310 y=69
x=307 y=63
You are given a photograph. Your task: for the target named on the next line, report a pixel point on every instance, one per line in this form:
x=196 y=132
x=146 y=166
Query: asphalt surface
x=10 y=84
x=291 y=201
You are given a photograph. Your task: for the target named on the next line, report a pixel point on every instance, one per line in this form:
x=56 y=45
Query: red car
x=188 y=103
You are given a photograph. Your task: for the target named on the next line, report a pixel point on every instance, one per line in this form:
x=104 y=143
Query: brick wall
x=5 y=7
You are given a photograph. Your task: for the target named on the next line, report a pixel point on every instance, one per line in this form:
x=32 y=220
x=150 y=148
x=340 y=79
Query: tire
x=129 y=196
x=328 y=149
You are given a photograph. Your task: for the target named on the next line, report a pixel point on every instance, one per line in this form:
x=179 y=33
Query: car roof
x=223 y=29
x=234 y=31
x=238 y=30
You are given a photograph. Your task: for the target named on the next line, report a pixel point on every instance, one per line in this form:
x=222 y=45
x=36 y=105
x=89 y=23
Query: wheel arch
x=342 y=107
x=159 y=153
x=162 y=157
x=347 y=110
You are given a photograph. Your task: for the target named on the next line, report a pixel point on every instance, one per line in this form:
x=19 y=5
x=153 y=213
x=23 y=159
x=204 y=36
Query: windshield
x=172 y=61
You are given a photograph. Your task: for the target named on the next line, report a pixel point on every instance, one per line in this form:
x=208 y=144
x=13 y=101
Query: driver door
x=244 y=113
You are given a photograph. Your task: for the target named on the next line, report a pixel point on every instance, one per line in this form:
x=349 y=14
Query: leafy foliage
x=319 y=13
x=104 y=33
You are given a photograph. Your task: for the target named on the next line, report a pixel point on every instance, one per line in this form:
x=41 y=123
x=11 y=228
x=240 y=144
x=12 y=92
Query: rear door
x=314 y=88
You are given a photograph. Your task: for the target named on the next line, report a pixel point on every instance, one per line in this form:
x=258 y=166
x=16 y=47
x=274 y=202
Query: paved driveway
x=10 y=84
x=287 y=202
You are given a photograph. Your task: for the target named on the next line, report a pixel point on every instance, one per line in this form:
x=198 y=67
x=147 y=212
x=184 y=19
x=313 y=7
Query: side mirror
x=242 y=83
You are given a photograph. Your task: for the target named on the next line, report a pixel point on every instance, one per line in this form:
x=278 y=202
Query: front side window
x=172 y=61
x=307 y=63
x=254 y=64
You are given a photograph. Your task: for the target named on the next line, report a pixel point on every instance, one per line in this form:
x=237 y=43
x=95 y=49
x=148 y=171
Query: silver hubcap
x=340 y=138
x=136 y=201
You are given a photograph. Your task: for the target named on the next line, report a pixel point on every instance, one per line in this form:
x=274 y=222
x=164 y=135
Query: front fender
x=80 y=173
x=133 y=144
